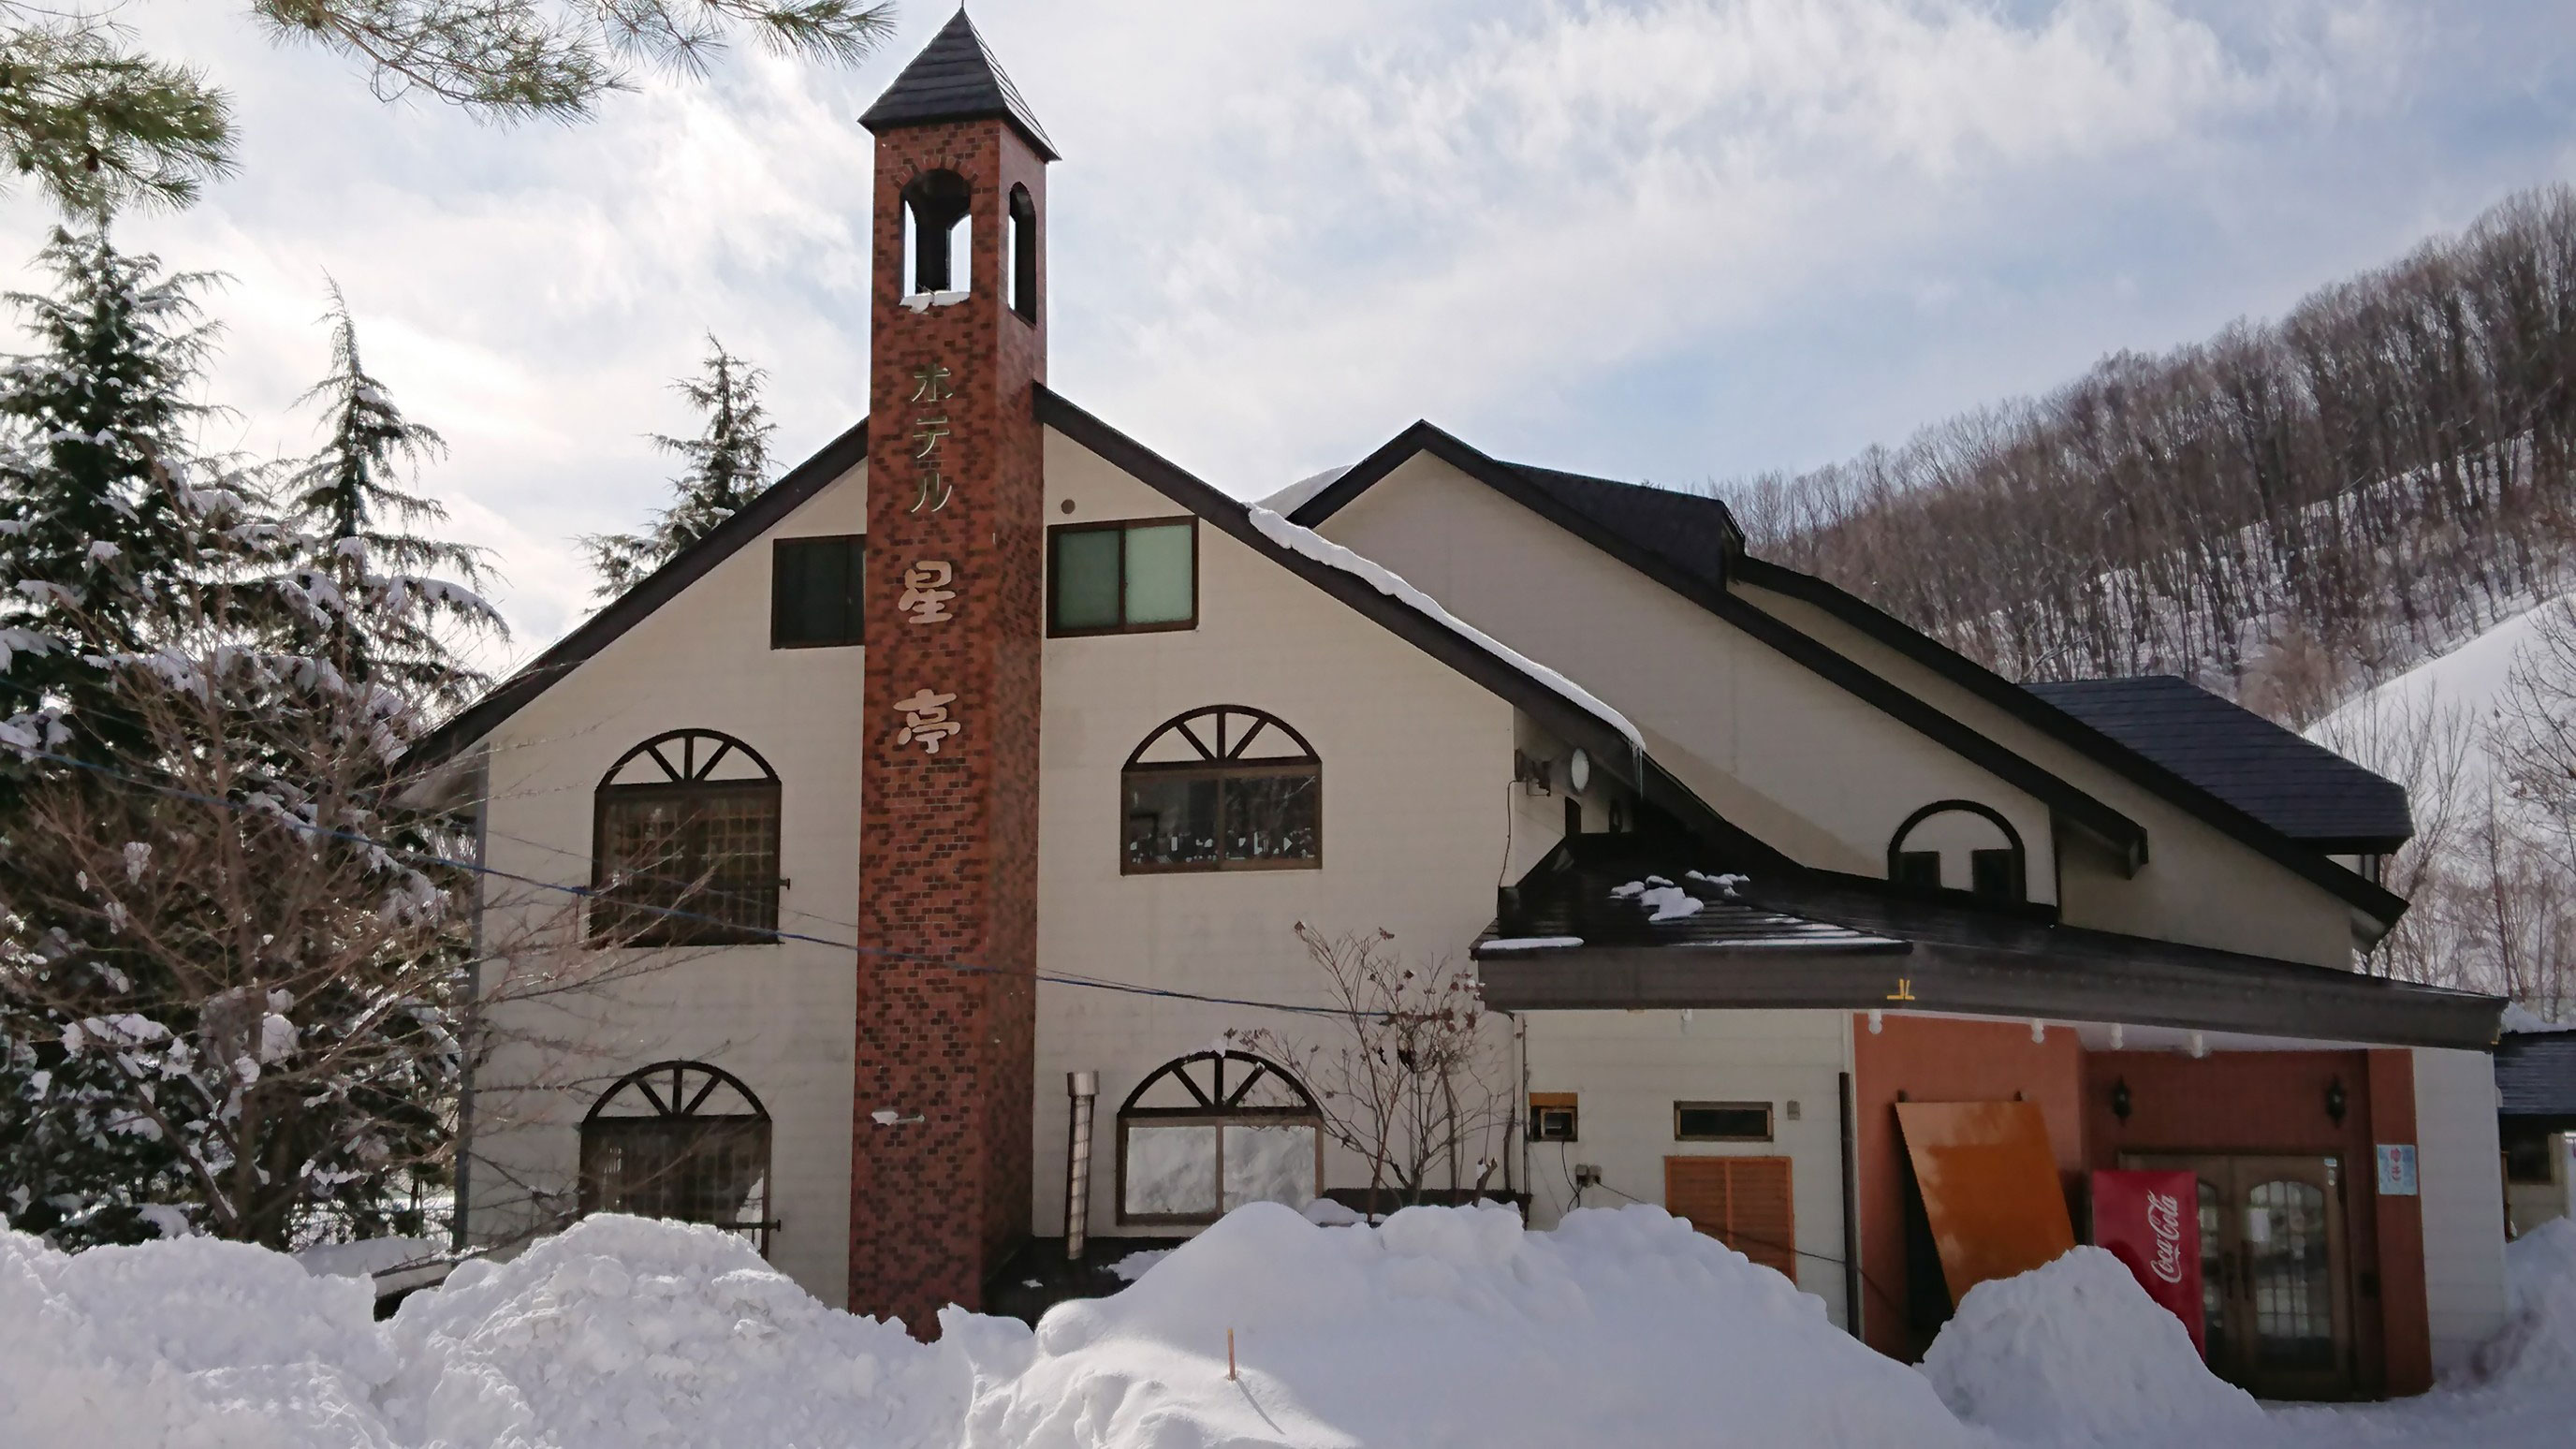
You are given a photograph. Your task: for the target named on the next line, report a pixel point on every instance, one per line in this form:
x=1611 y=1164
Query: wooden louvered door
x=1743 y=1202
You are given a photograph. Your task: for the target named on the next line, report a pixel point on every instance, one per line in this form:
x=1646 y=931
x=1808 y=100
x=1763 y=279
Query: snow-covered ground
x=1440 y=1327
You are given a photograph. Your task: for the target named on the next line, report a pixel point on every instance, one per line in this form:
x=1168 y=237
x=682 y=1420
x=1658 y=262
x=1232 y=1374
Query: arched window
x=1222 y=788
x=680 y=1140
x=934 y=217
x=685 y=845
x=1024 y=254
x=1960 y=845
x=1212 y=1131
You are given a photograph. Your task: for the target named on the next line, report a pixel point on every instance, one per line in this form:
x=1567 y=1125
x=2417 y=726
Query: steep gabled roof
x=1692 y=545
x=2305 y=791
x=1537 y=691
x=638 y=603
x=955 y=78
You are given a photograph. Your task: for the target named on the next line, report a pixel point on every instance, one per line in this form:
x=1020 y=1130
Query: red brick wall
x=948 y=841
x=1937 y=1059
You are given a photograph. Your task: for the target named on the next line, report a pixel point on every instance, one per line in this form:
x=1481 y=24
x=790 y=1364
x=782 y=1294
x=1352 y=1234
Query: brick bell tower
x=941 y=1131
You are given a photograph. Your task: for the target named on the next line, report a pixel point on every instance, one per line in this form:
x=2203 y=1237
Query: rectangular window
x=689 y=864
x=1920 y=869
x=1225 y=817
x=817 y=588
x=1129 y=577
x=1552 y=1117
x=1721 y=1121
x=1995 y=874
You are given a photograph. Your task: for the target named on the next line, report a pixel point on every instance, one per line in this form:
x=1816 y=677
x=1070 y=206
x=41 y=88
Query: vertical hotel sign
x=929 y=584
x=2151 y=1221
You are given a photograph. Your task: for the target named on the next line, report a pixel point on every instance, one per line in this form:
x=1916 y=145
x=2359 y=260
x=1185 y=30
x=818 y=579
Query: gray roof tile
x=2305 y=791
x=955 y=78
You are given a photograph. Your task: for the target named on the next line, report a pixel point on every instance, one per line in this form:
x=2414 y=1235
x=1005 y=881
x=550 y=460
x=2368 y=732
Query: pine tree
x=725 y=467
x=104 y=506
x=368 y=578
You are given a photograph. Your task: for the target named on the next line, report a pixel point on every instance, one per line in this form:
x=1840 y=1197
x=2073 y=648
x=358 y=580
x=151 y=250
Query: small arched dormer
x=1023 y=219
x=937 y=233
x=1960 y=846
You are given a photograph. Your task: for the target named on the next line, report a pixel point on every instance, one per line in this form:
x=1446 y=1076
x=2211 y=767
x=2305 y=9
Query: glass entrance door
x=2272 y=1272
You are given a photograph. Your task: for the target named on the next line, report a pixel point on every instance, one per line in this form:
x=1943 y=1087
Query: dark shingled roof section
x=2536 y=1074
x=2305 y=791
x=955 y=78
x=1693 y=533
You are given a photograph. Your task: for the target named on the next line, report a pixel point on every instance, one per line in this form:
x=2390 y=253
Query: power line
x=1095 y=983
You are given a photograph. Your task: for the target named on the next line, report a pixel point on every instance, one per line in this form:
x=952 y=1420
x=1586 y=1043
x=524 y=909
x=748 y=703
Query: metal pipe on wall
x=1084 y=1089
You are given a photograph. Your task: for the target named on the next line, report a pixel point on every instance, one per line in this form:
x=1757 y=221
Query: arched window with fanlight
x=680 y=1140
x=685 y=844
x=1962 y=847
x=1222 y=788
x=1209 y=1132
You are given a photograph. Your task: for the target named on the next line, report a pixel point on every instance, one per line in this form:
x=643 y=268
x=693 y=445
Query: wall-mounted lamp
x=892 y=1117
x=2121 y=1105
x=2335 y=1102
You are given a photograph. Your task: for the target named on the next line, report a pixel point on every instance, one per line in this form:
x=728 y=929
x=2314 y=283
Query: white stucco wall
x=1628 y=1068
x=1420 y=821
x=2463 y=1198
x=1777 y=749
x=777 y=1016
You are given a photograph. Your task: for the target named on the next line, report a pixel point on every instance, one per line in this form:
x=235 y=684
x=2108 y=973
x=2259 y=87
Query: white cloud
x=1667 y=237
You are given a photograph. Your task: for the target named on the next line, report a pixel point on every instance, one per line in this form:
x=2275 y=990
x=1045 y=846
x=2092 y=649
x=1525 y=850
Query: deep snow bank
x=2077 y=1353
x=191 y=1344
x=2537 y=1346
x=1454 y=1326
x=621 y=1332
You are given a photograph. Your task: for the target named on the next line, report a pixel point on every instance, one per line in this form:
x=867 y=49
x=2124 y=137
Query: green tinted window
x=1086 y=578
x=1107 y=578
x=1161 y=586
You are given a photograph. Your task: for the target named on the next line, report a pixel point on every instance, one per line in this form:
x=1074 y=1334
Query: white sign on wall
x=2396 y=1169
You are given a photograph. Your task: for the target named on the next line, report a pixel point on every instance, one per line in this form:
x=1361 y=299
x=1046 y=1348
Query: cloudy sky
x=1678 y=240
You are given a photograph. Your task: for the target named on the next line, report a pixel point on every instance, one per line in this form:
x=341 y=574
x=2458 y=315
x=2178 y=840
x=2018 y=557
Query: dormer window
x=937 y=233
x=1962 y=847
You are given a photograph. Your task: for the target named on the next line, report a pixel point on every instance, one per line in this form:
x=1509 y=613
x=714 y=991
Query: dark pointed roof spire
x=955 y=78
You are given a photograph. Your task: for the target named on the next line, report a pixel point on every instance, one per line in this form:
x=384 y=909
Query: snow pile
x=2077 y=1353
x=2537 y=1346
x=621 y=1333
x=192 y=1344
x=1454 y=1326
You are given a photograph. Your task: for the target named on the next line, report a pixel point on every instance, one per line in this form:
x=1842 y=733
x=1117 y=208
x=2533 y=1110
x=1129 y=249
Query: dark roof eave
x=631 y=608
x=2263 y=998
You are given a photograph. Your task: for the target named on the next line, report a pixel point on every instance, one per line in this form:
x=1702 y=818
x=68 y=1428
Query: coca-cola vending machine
x=2151 y=1221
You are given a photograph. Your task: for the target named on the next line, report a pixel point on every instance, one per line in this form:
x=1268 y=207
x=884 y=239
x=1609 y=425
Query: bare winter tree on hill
x=2285 y=513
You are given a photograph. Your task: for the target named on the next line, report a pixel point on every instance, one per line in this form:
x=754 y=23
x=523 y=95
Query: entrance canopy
x=1595 y=927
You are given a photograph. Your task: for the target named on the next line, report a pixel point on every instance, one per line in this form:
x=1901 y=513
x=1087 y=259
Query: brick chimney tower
x=941 y=1147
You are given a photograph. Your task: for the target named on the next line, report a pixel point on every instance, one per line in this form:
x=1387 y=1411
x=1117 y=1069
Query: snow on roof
x=1293 y=497
x=1386 y=581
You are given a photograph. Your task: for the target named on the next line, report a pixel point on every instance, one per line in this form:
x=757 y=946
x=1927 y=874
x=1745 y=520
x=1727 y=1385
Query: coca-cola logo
x=2164 y=1221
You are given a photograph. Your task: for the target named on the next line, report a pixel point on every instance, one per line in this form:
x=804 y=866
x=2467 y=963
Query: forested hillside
x=2288 y=513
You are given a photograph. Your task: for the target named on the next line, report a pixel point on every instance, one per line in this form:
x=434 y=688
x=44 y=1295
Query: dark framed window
x=1961 y=848
x=1209 y=1132
x=1553 y=1117
x=817 y=590
x=685 y=845
x=680 y=1140
x=1222 y=788
x=1721 y=1121
x=1128 y=577
x=1023 y=218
